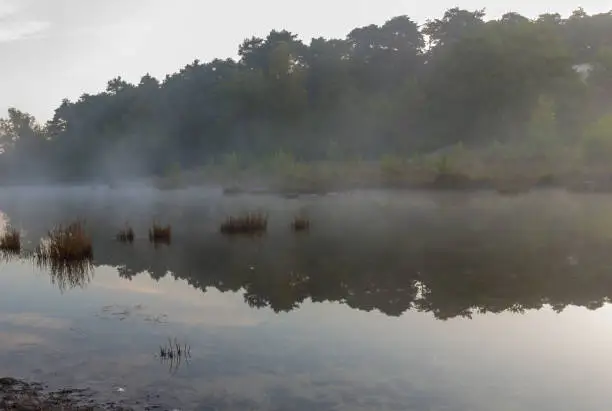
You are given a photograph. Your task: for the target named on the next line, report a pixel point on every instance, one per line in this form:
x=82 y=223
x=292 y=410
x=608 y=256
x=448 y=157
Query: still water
x=392 y=301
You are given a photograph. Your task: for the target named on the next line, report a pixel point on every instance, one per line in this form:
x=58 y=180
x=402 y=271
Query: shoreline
x=21 y=395
x=314 y=182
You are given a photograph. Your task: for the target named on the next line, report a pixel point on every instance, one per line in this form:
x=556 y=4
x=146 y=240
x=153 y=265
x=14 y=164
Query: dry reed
x=251 y=223
x=66 y=244
x=10 y=241
x=160 y=234
x=300 y=224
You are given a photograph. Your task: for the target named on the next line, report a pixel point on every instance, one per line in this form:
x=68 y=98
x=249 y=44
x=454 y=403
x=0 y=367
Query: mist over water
x=393 y=300
x=492 y=292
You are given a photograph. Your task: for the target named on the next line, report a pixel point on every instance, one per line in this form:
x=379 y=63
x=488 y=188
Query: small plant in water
x=126 y=235
x=66 y=244
x=252 y=223
x=174 y=349
x=10 y=241
x=300 y=223
x=160 y=234
x=173 y=353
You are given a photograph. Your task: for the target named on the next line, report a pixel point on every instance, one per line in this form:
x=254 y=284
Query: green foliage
x=392 y=165
x=231 y=162
x=598 y=140
x=333 y=151
x=380 y=89
x=542 y=126
x=282 y=161
x=443 y=165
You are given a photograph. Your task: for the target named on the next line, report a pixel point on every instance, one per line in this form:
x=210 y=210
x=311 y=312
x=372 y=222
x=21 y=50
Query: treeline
x=394 y=88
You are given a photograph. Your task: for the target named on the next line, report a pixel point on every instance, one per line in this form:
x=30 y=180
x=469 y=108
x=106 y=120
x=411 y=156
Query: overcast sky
x=52 y=49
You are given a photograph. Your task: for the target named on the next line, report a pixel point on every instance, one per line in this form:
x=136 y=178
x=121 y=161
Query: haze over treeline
x=396 y=88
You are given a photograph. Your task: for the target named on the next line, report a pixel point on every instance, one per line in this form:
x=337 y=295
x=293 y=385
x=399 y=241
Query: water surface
x=392 y=301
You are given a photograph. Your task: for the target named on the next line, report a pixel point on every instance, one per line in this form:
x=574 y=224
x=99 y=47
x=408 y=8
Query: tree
x=486 y=83
x=598 y=140
x=451 y=28
x=394 y=87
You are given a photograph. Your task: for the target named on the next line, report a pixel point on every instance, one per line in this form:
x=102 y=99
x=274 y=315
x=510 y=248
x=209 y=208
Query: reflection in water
x=488 y=255
x=449 y=256
x=65 y=274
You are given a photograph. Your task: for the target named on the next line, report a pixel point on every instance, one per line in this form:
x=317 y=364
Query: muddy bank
x=24 y=396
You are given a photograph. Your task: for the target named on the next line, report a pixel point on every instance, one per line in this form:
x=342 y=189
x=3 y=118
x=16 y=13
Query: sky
x=55 y=49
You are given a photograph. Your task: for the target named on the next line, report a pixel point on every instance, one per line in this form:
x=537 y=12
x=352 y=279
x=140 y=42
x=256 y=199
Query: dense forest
x=398 y=88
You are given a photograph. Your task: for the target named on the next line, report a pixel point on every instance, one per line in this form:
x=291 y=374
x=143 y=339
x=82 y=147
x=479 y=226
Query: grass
x=251 y=223
x=174 y=350
x=300 y=223
x=66 y=244
x=159 y=234
x=10 y=241
x=126 y=235
x=173 y=354
x=492 y=166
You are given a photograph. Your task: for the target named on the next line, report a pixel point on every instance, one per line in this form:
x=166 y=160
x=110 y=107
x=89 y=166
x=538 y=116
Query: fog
x=385 y=97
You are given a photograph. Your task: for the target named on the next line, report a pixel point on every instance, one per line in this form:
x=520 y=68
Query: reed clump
x=174 y=350
x=251 y=223
x=126 y=235
x=300 y=223
x=174 y=354
x=10 y=241
x=66 y=244
x=159 y=234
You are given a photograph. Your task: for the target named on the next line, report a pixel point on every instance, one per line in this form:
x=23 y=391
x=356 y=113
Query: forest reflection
x=451 y=263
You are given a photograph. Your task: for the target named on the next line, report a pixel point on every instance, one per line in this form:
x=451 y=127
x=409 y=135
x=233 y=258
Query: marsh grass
x=126 y=235
x=452 y=167
x=66 y=244
x=174 y=353
x=159 y=234
x=174 y=350
x=300 y=223
x=10 y=241
x=251 y=223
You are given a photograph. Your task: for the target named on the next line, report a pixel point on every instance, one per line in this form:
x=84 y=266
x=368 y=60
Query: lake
x=392 y=301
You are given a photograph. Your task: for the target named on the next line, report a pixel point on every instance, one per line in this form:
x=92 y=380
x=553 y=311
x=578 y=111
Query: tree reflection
x=460 y=275
x=459 y=261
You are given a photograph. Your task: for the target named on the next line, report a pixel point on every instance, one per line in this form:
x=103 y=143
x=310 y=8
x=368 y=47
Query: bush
x=597 y=143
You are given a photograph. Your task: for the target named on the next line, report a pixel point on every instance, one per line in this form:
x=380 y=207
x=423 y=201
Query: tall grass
x=251 y=223
x=66 y=244
x=10 y=241
x=159 y=234
x=300 y=223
